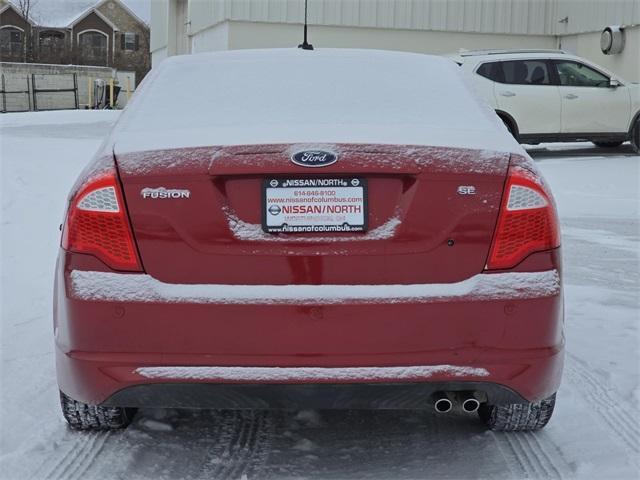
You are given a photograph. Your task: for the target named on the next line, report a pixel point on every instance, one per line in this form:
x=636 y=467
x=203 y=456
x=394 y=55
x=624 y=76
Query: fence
x=27 y=86
x=47 y=94
x=14 y=99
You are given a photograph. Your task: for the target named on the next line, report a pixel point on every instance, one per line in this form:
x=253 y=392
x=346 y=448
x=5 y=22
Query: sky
x=142 y=8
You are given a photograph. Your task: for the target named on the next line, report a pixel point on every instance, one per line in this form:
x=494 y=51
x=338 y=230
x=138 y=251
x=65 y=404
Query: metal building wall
x=159 y=24
x=532 y=17
x=523 y=17
x=593 y=15
x=413 y=25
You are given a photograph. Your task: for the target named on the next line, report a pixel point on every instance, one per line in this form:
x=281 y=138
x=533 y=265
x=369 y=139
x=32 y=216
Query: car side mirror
x=613 y=83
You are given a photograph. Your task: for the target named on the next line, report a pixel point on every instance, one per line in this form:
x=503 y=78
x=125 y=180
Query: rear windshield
x=277 y=96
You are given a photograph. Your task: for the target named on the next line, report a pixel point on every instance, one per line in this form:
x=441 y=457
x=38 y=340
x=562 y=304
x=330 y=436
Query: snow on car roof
x=281 y=96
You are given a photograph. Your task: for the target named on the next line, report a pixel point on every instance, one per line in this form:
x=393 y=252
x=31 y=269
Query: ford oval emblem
x=314 y=158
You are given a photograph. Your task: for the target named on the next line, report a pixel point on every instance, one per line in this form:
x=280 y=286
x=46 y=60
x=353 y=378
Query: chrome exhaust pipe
x=470 y=404
x=442 y=404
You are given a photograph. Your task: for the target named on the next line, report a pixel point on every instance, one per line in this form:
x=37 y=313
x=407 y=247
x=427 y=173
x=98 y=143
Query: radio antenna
x=305 y=45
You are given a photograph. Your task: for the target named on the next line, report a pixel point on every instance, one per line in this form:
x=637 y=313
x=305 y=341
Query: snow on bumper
x=302 y=374
x=105 y=286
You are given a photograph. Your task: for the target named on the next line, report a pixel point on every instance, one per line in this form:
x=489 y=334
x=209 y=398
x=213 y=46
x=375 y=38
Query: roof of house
x=64 y=13
x=5 y=5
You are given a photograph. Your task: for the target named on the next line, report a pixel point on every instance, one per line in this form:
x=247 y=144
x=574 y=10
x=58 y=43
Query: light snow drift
x=107 y=286
x=308 y=374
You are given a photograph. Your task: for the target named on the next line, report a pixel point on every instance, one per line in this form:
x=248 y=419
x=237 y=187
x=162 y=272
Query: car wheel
x=607 y=144
x=81 y=416
x=509 y=126
x=635 y=136
x=518 y=416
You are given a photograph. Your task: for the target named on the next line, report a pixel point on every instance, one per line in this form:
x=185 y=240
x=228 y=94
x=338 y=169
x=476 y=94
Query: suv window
x=574 y=74
x=517 y=72
x=526 y=72
x=492 y=71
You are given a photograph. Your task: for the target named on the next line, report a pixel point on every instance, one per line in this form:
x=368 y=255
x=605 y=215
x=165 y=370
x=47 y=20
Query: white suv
x=551 y=96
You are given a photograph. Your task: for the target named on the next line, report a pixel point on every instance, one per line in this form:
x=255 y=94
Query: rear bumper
x=379 y=396
x=515 y=377
x=111 y=334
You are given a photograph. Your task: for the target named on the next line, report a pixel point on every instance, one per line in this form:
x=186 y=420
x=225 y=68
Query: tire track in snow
x=80 y=447
x=245 y=438
x=529 y=458
x=521 y=455
x=510 y=460
x=157 y=452
x=244 y=459
x=518 y=465
x=62 y=460
x=88 y=460
x=615 y=412
x=537 y=465
x=555 y=461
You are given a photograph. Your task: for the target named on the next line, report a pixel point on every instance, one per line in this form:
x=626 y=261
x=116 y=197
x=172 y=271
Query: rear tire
x=607 y=144
x=518 y=417
x=81 y=416
x=635 y=136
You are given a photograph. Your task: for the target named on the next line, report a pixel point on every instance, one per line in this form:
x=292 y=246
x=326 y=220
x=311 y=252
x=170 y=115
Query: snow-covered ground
x=595 y=432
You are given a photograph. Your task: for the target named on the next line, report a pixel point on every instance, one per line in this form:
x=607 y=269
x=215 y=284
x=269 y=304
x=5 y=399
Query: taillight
x=97 y=224
x=527 y=221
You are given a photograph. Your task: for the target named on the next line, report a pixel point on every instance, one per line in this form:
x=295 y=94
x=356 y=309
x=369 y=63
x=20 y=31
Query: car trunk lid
x=431 y=212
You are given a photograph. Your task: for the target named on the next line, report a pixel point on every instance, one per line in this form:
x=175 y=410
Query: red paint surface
x=100 y=344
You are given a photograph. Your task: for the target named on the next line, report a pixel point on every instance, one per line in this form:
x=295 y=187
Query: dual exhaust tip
x=443 y=401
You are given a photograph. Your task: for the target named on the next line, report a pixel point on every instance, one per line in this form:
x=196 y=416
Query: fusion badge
x=162 y=193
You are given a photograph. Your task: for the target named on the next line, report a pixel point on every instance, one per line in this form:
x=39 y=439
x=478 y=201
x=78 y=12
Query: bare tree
x=26 y=7
x=26 y=10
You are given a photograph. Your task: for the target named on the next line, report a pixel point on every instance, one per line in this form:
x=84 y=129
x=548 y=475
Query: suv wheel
x=518 y=416
x=507 y=124
x=81 y=416
x=635 y=136
x=607 y=144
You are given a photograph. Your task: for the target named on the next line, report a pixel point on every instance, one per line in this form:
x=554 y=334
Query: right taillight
x=527 y=221
x=97 y=223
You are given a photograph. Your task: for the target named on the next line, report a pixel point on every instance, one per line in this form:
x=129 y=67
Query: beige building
x=426 y=26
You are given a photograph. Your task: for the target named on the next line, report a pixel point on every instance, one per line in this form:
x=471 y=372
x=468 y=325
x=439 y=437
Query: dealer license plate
x=314 y=205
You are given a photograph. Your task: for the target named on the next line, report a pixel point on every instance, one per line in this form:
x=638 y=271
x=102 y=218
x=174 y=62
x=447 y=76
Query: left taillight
x=97 y=223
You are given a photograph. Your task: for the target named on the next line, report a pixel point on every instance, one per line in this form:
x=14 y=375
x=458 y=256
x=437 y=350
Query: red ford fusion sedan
x=309 y=229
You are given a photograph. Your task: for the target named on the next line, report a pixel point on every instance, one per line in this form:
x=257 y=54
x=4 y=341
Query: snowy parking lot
x=595 y=432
